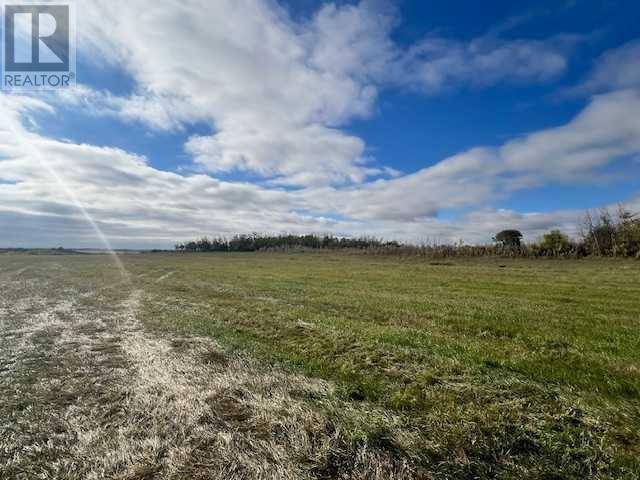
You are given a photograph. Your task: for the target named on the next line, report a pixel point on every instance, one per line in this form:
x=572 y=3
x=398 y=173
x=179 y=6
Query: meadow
x=405 y=367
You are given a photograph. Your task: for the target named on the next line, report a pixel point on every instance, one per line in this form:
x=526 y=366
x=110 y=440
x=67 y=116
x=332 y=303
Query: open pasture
x=318 y=366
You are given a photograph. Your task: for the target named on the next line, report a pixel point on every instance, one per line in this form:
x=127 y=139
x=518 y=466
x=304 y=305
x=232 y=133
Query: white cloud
x=261 y=82
x=616 y=69
x=438 y=63
x=353 y=40
x=578 y=152
x=275 y=91
x=290 y=154
x=604 y=131
x=456 y=182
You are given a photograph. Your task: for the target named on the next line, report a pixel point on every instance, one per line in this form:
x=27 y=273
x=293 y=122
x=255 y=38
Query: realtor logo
x=39 y=46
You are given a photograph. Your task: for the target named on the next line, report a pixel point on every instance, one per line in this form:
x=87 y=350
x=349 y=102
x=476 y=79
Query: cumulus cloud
x=275 y=91
x=272 y=90
x=284 y=156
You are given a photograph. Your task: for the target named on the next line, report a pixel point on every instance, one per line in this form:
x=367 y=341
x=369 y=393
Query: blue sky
x=407 y=120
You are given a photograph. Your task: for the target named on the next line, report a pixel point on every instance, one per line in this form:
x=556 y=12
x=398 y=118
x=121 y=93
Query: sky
x=415 y=121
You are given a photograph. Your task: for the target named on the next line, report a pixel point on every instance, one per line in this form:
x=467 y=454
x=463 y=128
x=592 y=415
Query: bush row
x=604 y=234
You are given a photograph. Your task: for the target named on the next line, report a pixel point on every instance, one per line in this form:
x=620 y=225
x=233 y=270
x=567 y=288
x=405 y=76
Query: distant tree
x=599 y=233
x=627 y=238
x=555 y=242
x=509 y=238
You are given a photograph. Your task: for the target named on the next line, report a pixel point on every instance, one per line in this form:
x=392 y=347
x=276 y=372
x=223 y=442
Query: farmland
x=318 y=365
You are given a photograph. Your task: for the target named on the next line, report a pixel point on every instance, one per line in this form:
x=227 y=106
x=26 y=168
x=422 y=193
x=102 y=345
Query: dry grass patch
x=89 y=394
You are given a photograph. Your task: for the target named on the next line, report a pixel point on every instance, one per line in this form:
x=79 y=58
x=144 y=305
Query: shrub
x=555 y=243
x=606 y=235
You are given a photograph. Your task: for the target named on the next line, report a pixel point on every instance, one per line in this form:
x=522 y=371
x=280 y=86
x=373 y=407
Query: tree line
x=601 y=234
x=256 y=242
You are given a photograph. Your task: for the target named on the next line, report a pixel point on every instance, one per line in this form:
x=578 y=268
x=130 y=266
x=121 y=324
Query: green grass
x=495 y=368
x=502 y=367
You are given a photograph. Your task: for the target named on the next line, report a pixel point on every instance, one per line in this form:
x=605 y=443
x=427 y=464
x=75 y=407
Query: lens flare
x=34 y=153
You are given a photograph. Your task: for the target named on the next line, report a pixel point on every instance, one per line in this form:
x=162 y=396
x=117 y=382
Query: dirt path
x=86 y=392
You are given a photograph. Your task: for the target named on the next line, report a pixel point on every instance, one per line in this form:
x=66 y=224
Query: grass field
x=319 y=366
